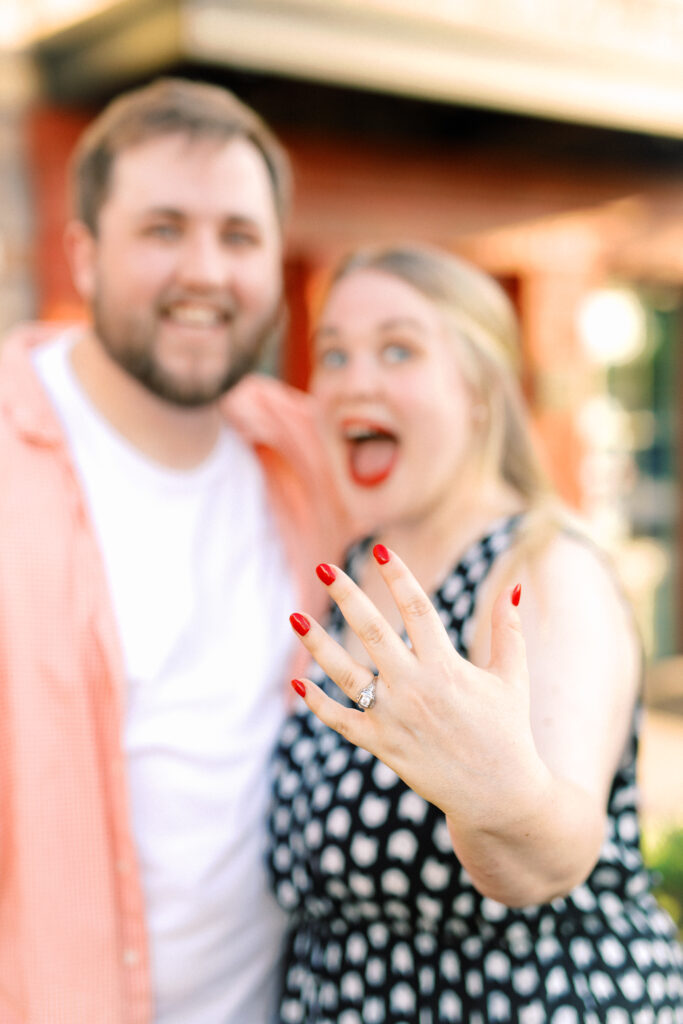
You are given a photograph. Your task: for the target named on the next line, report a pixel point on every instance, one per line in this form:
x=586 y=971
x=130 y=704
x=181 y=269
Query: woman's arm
x=583 y=660
x=519 y=755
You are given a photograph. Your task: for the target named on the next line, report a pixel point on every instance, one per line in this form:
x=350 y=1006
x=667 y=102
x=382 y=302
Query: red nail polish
x=299 y=687
x=300 y=623
x=516 y=594
x=381 y=554
x=326 y=573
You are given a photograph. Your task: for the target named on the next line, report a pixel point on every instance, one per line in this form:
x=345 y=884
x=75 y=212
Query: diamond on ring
x=367 y=696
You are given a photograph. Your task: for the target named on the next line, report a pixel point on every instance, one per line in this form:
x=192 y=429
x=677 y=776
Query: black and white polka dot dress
x=386 y=925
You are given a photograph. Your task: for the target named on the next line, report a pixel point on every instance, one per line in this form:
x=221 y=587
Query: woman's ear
x=80 y=247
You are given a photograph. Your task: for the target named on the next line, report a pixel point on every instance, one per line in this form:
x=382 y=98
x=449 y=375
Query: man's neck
x=177 y=437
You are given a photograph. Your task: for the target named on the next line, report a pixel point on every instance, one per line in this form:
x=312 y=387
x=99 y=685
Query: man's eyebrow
x=240 y=218
x=243 y=220
x=171 y=212
x=177 y=213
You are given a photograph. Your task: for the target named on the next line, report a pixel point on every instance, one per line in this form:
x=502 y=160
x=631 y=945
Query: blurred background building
x=541 y=138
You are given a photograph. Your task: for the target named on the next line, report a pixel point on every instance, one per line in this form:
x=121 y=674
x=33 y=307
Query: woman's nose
x=363 y=374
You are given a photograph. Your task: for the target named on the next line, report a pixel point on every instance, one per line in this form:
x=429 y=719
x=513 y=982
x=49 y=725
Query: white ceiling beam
x=401 y=48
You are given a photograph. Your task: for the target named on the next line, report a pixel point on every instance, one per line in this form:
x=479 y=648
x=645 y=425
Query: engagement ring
x=367 y=696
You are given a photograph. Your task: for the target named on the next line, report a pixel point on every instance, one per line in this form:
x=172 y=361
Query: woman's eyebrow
x=329 y=330
x=401 y=321
x=325 y=331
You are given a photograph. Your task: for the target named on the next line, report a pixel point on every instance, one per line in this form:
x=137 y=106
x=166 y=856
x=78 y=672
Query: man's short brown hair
x=168 y=106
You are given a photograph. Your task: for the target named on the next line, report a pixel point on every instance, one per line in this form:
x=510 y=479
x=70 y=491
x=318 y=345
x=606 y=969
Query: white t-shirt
x=201 y=595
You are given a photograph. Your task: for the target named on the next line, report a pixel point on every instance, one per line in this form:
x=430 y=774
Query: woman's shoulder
x=574 y=602
x=570 y=592
x=572 y=561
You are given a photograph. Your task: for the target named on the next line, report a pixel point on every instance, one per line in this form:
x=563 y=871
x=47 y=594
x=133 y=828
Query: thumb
x=508 y=650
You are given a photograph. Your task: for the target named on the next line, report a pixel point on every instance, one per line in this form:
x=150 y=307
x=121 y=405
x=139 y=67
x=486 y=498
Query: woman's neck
x=432 y=544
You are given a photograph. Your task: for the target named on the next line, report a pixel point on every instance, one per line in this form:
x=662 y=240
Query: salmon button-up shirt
x=73 y=947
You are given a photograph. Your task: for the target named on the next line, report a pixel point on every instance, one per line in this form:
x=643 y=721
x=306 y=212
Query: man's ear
x=81 y=249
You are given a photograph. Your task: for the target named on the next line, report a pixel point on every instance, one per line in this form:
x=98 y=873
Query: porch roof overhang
x=614 y=65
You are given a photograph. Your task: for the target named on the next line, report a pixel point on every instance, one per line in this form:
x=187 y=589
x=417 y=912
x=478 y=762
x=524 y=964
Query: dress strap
x=356 y=554
x=456 y=598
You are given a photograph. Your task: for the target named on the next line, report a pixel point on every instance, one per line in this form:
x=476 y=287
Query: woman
x=464 y=845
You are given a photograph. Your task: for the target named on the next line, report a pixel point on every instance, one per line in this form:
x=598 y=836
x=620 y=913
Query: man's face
x=184 y=278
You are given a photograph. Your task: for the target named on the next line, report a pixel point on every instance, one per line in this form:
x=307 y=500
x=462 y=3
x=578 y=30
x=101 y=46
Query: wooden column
x=51 y=135
x=558 y=373
x=17 y=295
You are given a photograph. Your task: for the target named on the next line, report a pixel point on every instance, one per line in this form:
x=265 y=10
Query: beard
x=132 y=345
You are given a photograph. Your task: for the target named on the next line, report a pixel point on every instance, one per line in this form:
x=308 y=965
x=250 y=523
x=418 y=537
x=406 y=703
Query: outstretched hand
x=456 y=734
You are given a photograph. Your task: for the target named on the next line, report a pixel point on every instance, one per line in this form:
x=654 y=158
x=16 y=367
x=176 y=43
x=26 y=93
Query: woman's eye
x=396 y=352
x=332 y=358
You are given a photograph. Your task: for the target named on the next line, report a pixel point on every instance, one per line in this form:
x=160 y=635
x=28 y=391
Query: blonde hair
x=484 y=323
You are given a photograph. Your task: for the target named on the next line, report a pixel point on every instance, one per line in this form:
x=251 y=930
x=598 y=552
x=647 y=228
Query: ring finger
x=349 y=676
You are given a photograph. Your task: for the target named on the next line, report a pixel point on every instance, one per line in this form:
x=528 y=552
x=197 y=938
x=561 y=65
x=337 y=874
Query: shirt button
x=131 y=957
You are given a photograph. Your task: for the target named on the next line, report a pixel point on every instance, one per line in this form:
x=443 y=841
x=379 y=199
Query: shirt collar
x=22 y=397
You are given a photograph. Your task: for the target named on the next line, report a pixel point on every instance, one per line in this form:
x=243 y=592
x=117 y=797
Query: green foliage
x=664 y=857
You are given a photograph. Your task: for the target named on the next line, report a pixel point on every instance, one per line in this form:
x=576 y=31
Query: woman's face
x=395 y=407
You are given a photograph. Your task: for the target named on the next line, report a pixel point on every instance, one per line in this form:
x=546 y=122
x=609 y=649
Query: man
x=154 y=536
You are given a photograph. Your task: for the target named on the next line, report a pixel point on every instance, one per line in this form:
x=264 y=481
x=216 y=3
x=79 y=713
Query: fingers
x=429 y=639
x=349 y=676
x=385 y=647
x=508 y=650
x=352 y=725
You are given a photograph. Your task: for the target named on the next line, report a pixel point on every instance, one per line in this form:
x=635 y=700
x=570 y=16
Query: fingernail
x=381 y=554
x=516 y=594
x=299 y=687
x=326 y=573
x=300 y=623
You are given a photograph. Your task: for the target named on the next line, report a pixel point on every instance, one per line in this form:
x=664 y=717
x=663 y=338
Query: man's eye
x=164 y=231
x=332 y=358
x=240 y=238
x=396 y=352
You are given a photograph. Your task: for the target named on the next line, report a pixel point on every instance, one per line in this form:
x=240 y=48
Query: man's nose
x=204 y=262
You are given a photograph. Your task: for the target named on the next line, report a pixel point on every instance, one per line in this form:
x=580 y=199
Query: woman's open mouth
x=372 y=451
